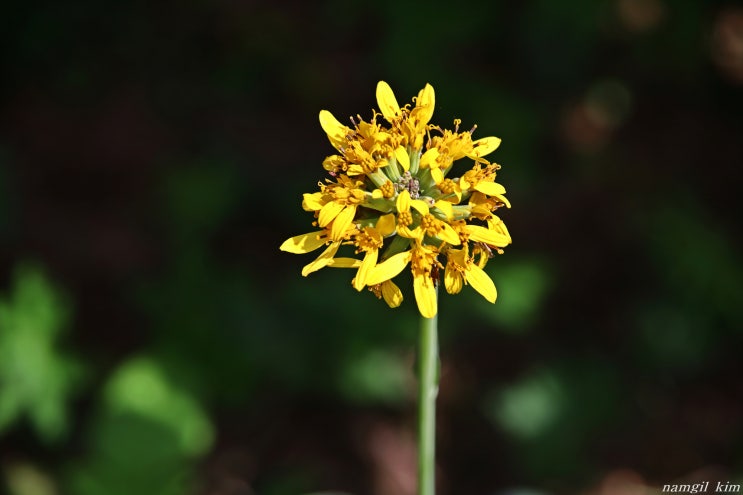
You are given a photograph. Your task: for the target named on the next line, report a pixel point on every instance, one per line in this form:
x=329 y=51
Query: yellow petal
x=449 y=235
x=452 y=280
x=344 y=263
x=334 y=163
x=420 y=206
x=481 y=282
x=370 y=260
x=391 y=293
x=445 y=207
x=401 y=154
x=425 y=296
x=329 y=212
x=386 y=101
x=490 y=188
x=377 y=194
x=355 y=169
x=403 y=200
x=428 y=159
x=386 y=224
x=493 y=189
x=389 y=268
x=416 y=233
x=481 y=234
x=322 y=260
x=497 y=225
x=426 y=97
x=437 y=175
x=484 y=146
x=300 y=244
x=335 y=130
x=427 y=101
x=458 y=256
x=342 y=222
x=312 y=202
x=482 y=260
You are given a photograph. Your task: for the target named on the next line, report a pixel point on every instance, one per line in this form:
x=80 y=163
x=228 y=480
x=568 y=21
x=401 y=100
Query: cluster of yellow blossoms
x=390 y=192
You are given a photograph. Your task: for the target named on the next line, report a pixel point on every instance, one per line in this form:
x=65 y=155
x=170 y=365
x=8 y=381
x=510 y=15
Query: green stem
x=427 y=391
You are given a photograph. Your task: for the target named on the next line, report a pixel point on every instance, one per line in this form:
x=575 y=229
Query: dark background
x=154 y=340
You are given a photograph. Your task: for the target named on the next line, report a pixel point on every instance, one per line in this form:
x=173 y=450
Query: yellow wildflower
x=388 y=195
x=460 y=268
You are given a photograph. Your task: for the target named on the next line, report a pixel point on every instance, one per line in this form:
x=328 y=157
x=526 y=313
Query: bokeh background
x=153 y=339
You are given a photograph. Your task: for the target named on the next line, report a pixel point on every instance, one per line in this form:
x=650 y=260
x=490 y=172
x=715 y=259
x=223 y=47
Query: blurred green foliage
x=37 y=377
x=378 y=376
x=144 y=437
x=140 y=388
x=527 y=409
x=528 y=282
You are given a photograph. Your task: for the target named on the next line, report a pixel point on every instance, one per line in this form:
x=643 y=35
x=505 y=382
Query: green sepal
x=398 y=245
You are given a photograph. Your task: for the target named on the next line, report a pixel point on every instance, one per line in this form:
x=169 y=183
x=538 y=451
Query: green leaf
x=37 y=377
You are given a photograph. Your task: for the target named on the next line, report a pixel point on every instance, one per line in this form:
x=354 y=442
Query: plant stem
x=428 y=389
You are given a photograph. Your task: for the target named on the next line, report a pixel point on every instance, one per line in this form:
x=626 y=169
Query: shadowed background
x=153 y=339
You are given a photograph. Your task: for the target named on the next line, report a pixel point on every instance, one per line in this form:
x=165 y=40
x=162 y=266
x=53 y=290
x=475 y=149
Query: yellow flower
x=370 y=240
x=461 y=268
x=389 y=291
x=388 y=195
x=405 y=218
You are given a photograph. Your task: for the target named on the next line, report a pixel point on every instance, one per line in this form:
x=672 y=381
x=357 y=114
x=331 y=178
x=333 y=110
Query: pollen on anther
x=447 y=186
x=404 y=218
x=388 y=189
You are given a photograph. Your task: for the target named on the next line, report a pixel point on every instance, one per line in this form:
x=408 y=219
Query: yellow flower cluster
x=389 y=196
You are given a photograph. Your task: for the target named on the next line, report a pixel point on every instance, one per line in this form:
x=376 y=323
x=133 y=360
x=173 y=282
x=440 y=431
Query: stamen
x=447 y=186
x=486 y=248
x=376 y=290
x=388 y=189
x=404 y=218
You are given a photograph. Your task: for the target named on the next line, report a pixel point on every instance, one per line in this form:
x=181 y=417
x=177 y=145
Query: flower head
x=392 y=195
